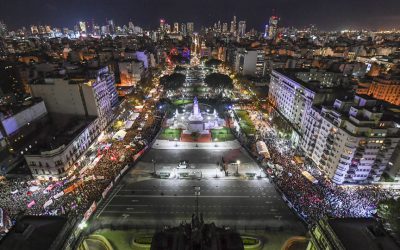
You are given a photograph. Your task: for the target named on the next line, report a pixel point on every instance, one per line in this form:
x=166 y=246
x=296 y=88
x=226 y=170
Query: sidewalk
x=165 y=144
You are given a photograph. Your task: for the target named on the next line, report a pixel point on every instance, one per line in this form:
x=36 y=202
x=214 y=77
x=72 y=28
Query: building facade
x=55 y=162
x=292 y=96
x=131 y=72
x=386 y=90
x=349 y=233
x=250 y=62
x=351 y=141
x=90 y=101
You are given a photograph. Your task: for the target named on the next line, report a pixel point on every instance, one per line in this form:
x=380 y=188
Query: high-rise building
x=224 y=27
x=233 y=26
x=293 y=91
x=273 y=27
x=48 y=29
x=131 y=27
x=90 y=26
x=242 y=28
x=349 y=233
x=3 y=29
x=105 y=29
x=385 y=89
x=131 y=72
x=162 y=25
x=352 y=141
x=176 y=27
x=77 y=95
x=190 y=28
x=34 y=30
x=111 y=25
x=82 y=27
x=250 y=62
x=14 y=78
x=266 y=31
x=87 y=103
x=183 y=29
x=167 y=28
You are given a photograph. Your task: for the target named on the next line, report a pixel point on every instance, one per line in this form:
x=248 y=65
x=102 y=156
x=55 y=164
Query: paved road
x=203 y=156
x=157 y=202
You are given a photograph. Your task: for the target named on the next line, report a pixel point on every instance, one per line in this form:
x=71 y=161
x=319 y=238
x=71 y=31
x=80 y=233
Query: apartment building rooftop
x=359 y=233
x=315 y=85
x=60 y=129
x=7 y=110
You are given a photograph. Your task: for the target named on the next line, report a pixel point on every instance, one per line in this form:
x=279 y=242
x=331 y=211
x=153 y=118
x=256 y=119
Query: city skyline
x=347 y=15
x=155 y=124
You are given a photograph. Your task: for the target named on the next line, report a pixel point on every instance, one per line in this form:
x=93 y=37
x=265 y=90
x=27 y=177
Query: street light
x=197 y=194
x=237 y=167
x=154 y=165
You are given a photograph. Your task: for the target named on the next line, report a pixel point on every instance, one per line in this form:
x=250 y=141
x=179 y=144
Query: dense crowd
x=92 y=175
x=312 y=201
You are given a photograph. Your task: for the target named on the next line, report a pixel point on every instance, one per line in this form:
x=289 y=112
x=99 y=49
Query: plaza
x=239 y=201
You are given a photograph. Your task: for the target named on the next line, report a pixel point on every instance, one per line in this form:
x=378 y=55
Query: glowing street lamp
x=237 y=167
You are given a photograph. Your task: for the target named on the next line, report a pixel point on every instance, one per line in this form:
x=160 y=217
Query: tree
x=389 y=212
x=179 y=59
x=173 y=81
x=213 y=63
x=179 y=68
x=219 y=81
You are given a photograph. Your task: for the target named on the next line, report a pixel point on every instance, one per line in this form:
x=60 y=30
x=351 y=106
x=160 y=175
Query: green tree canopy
x=173 y=81
x=179 y=68
x=220 y=81
x=213 y=63
x=389 y=212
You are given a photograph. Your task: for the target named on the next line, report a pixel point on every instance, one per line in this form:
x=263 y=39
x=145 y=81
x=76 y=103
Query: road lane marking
x=128 y=205
x=186 y=196
x=109 y=200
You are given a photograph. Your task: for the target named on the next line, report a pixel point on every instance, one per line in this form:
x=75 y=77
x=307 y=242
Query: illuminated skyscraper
x=162 y=25
x=266 y=31
x=48 y=29
x=242 y=28
x=34 y=29
x=176 y=27
x=273 y=27
x=82 y=27
x=167 y=28
x=3 y=29
x=190 y=28
x=233 y=25
x=183 y=29
x=131 y=27
x=224 y=27
x=111 y=25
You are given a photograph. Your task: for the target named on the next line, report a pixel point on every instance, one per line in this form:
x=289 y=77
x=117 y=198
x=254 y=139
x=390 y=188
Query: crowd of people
x=92 y=174
x=312 y=201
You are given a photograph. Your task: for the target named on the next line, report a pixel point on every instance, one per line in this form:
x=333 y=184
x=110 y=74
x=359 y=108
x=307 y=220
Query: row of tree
x=174 y=81
x=219 y=81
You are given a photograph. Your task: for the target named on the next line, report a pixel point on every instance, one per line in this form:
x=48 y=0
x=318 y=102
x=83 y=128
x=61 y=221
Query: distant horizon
x=328 y=16
x=196 y=28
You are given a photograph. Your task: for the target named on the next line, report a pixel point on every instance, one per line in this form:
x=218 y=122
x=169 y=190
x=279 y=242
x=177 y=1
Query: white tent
x=128 y=124
x=119 y=135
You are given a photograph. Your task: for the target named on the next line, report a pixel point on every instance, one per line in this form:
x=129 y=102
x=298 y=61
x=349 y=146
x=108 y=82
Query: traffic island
x=251 y=243
x=142 y=243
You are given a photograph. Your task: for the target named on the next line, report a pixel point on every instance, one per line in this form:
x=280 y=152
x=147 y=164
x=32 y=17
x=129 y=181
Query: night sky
x=327 y=15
